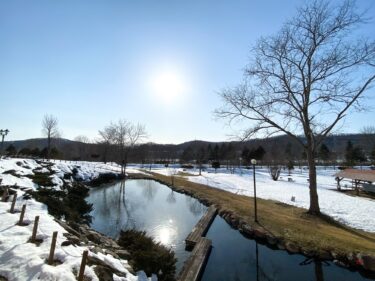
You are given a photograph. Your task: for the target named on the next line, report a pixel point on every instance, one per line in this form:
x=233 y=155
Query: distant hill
x=70 y=149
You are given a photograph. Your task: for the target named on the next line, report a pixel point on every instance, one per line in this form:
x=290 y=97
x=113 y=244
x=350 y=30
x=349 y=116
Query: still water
x=165 y=215
x=169 y=217
x=236 y=258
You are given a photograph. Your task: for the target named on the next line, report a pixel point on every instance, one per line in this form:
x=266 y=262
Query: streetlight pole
x=3 y=133
x=254 y=161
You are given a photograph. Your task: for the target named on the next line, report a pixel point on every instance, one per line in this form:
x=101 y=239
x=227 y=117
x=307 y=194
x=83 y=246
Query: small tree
x=324 y=153
x=290 y=166
x=50 y=130
x=274 y=171
x=11 y=150
x=200 y=157
x=215 y=165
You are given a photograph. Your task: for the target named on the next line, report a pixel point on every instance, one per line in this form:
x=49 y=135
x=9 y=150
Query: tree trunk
x=314 y=202
x=49 y=147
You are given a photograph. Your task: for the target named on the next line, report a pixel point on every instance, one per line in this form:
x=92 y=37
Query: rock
x=124 y=254
x=325 y=255
x=271 y=240
x=104 y=273
x=66 y=243
x=94 y=237
x=291 y=247
x=96 y=250
x=72 y=239
x=113 y=254
x=309 y=254
x=369 y=262
x=260 y=233
x=281 y=246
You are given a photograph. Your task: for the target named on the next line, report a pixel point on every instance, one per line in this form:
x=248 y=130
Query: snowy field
x=357 y=212
x=20 y=260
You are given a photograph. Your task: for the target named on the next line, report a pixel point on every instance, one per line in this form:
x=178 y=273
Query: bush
x=215 y=165
x=149 y=256
x=275 y=172
x=71 y=204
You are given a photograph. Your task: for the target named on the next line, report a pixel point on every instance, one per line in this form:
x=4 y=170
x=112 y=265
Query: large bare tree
x=107 y=140
x=304 y=80
x=50 y=130
x=124 y=135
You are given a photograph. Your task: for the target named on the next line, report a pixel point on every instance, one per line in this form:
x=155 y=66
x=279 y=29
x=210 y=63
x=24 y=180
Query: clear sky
x=90 y=62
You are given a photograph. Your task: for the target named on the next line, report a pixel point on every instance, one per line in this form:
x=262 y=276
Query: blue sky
x=92 y=62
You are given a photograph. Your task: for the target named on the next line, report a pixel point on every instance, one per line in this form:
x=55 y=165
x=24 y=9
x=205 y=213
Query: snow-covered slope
x=21 y=260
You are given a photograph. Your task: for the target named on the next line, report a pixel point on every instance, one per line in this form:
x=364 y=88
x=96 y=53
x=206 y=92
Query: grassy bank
x=312 y=234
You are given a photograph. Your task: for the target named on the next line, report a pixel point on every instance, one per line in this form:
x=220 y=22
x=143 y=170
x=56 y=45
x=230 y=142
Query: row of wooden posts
x=35 y=229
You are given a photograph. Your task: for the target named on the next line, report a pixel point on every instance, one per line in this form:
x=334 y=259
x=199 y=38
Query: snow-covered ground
x=21 y=260
x=357 y=212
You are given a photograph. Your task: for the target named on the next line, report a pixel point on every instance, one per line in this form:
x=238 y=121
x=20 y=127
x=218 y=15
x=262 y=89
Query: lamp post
x=254 y=162
x=3 y=133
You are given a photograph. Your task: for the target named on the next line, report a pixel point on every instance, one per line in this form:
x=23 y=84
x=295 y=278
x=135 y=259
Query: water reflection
x=234 y=257
x=146 y=205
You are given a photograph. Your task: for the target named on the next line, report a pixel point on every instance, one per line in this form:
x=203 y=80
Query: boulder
x=291 y=247
x=94 y=237
x=260 y=233
x=124 y=254
x=104 y=273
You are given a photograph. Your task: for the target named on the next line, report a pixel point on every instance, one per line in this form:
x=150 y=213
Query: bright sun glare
x=168 y=86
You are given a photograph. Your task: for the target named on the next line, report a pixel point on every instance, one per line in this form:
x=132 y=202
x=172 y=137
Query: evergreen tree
x=187 y=155
x=372 y=155
x=259 y=153
x=11 y=150
x=324 y=152
x=288 y=150
x=349 y=153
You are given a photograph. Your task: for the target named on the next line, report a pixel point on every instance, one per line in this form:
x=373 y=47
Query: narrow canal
x=169 y=217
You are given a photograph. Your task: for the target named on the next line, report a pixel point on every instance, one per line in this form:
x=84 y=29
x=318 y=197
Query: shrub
x=71 y=204
x=149 y=256
x=275 y=172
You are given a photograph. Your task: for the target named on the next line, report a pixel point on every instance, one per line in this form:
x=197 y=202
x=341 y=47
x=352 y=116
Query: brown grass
x=293 y=224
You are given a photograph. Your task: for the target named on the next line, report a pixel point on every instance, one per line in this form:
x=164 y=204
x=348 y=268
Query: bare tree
x=126 y=135
x=50 y=130
x=303 y=80
x=82 y=146
x=107 y=139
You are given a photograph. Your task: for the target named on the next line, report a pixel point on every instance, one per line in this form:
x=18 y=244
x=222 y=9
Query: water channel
x=169 y=217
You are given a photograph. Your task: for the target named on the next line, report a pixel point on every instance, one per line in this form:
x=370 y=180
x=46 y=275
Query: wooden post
x=52 y=250
x=356 y=187
x=22 y=214
x=13 y=203
x=5 y=193
x=83 y=265
x=35 y=229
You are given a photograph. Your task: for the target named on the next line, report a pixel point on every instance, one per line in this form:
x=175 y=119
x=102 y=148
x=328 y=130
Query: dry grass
x=294 y=224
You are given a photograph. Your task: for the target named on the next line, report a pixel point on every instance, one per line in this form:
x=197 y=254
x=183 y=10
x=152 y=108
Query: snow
x=21 y=260
x=356 y=212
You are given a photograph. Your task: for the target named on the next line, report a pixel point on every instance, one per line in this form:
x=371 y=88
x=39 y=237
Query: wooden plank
x=195 y=264
x=200 y=228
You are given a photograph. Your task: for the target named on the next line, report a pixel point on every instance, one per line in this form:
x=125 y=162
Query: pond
x=233 y=257
x=169 y=217
x=147 y=205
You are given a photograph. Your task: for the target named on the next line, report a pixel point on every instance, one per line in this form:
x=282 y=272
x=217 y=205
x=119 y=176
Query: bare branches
x=304 y=80
x=50 y=126
x=50 y=130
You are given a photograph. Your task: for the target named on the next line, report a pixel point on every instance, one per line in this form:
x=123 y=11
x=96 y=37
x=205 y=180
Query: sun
x=168 y=86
